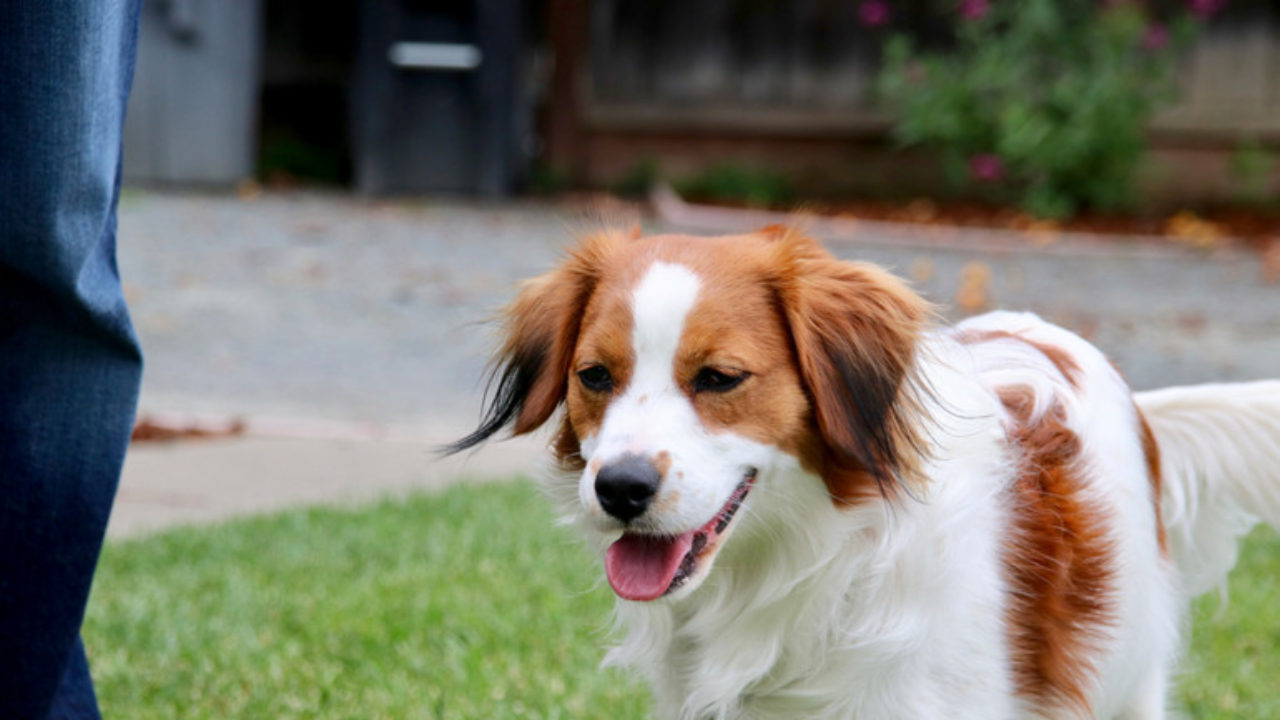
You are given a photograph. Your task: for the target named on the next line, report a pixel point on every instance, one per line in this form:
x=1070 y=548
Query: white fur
x=898 y=610
x=1220 y=455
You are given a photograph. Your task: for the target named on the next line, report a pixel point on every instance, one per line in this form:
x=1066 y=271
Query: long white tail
x=1220 y=466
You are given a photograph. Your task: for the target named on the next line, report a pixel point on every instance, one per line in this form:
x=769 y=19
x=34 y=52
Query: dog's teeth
x=728 y=511
x=725 y=516
x=690 y=560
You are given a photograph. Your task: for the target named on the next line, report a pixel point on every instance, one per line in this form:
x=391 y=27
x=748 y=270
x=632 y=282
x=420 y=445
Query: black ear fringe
x=874 y=405
x=505 y=392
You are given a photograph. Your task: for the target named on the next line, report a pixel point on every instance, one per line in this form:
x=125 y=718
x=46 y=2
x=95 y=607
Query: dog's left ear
x=530 y=371
x=856 y=329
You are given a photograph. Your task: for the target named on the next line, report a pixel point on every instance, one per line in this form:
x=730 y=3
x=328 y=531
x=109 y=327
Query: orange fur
x=1058 y=559
x=829 y=346
x=855 y=328
x=1151 y=451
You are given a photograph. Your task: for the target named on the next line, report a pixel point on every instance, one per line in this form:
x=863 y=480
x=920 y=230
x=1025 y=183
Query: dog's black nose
x=626 y=486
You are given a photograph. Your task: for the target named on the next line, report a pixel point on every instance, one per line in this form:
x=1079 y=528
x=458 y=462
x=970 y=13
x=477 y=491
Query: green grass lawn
x=466 y=604
x=1233 y=670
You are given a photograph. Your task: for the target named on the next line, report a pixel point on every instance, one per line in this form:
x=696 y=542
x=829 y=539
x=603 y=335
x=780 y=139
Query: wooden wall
x=789 y=85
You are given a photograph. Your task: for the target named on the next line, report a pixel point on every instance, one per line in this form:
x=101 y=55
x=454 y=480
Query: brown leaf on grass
x=975 y=285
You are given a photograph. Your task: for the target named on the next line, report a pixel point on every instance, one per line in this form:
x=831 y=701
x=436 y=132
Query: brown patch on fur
x=530 y=370
x=662 y=463
x=544 y=318
x=605 y=339
x=1061 y=359
x=1058 y=559
x=566 y=449
x=736 y=327
x=666 y=500
x=1151 y=450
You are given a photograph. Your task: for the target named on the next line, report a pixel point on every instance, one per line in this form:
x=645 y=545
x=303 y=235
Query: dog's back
x=1093 y=610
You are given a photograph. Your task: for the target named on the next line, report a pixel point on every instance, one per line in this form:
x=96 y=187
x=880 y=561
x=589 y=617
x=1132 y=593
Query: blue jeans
x=69 y=361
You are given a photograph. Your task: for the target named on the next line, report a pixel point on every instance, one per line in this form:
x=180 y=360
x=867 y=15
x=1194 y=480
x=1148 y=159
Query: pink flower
x=974 y=9
x=873 y=13
x=1205 y=9
x=1156 y=37
x=987 y=167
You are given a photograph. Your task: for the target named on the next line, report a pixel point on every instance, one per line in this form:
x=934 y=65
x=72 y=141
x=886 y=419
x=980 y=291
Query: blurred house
x=476 y=96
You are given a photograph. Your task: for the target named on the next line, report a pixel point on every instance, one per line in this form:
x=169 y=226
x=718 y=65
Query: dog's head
x=689 y=369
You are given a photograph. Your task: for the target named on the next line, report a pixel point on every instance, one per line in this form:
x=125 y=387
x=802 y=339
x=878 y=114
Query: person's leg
x=69 y=362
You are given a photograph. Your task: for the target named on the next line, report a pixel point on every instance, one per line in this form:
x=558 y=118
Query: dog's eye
x=596 y=378
x=712 y=380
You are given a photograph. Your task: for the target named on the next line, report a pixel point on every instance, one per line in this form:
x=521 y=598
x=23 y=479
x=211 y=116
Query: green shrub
x=638 y=180
x=1252 y=168
x=724 y=181
x=1042 y=102
x=545 y=179
x=728 y=182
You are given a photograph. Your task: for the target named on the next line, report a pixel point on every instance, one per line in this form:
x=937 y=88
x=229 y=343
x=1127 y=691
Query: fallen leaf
x=922 y=269
x=975 y=284
x=249 y=190
x=921 y=210
x=1271 y=262
x=1193 y=323
x=315 y=271
x=149 y=429
x=1187 y=228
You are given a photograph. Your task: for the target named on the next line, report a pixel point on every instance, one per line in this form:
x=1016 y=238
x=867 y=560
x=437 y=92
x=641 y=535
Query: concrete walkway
x=188 y=482
x=351 y=335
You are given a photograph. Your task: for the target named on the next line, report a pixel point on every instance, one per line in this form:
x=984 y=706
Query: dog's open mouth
x=646 y=567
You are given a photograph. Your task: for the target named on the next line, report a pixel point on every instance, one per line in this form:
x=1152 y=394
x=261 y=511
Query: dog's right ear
x=530 y=372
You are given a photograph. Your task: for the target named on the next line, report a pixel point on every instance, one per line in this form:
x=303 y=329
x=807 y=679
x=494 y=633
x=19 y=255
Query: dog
x=814 y=501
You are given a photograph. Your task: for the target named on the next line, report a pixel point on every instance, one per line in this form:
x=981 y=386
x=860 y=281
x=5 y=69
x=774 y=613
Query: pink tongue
x=641 y=567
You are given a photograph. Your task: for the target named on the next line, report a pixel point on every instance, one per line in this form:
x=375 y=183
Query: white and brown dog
x=813 y=503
